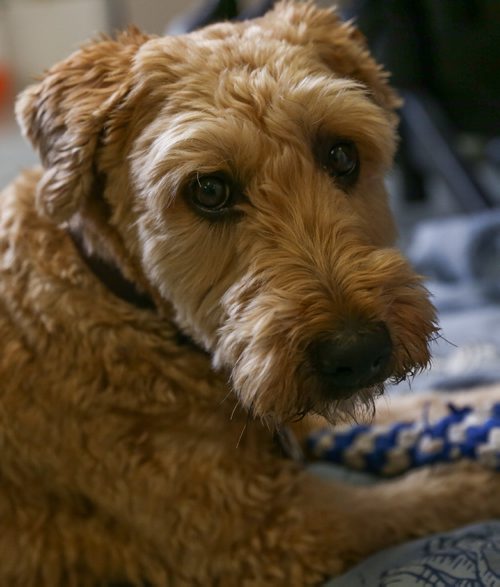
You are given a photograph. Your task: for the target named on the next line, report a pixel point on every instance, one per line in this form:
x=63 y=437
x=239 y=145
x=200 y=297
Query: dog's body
x=235 y=177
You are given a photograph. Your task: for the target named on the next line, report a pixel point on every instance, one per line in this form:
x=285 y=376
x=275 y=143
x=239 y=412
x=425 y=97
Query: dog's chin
x=309 y=396
x=345 y=403
x=352 y=406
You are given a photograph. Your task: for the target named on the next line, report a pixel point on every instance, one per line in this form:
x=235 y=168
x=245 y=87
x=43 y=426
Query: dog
x=204 y=256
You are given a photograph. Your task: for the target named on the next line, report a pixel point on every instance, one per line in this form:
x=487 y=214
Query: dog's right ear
x=66 y=114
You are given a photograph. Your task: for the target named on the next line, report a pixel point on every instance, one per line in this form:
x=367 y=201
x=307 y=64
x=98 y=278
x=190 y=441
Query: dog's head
x=238 y=173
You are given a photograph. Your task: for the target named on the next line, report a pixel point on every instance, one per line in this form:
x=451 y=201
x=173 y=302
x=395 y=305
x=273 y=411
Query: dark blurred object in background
x=218 y=10
x=450 y=48
x=444 y=56
x=212 y=11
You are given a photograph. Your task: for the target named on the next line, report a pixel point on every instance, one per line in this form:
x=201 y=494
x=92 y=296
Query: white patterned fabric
x=468 y=557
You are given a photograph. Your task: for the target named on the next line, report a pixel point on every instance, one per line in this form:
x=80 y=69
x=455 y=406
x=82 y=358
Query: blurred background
x=445 y=59
x=34 y=34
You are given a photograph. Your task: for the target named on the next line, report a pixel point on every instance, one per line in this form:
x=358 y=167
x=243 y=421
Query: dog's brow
x=196 y=143
x=251 y=114
x=344 y=108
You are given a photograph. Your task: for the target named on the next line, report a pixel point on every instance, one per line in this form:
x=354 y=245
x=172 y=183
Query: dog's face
x=243 y=168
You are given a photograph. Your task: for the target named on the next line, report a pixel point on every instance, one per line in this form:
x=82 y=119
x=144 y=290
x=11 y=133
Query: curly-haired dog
x=205 y=255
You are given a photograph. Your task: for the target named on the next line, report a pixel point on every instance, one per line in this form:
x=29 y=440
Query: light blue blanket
x=460 y=257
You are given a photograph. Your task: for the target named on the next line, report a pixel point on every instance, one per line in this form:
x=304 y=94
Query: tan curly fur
x=128 y=455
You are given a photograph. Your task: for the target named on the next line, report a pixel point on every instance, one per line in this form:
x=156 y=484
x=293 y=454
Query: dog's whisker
x=236 y=406
x=228 y=394
x=439 y=336
x=242 y=432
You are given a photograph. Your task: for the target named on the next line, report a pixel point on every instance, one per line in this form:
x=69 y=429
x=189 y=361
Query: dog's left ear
x=338 y=44
x=65 y=115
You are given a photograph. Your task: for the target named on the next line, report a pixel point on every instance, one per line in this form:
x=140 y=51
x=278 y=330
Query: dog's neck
x=104 y=253
x=111 y=276
x=110 y=273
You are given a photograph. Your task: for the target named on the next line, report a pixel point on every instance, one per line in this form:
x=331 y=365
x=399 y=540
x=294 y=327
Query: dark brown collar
x=110 y=276
x=114 y=280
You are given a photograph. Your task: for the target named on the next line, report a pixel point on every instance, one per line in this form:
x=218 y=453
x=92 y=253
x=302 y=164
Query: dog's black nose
x=352 y=359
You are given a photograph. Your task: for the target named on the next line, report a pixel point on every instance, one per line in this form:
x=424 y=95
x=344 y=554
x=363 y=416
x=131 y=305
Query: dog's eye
x=342 y=159
x=210 y=193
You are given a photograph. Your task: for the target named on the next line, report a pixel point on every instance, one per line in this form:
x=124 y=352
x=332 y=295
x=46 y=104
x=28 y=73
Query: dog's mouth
x=338 y=400
x=340 y=404
x=335 y=392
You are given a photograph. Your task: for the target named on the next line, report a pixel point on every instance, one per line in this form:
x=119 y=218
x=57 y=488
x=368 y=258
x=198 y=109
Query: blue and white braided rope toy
x=390 y=450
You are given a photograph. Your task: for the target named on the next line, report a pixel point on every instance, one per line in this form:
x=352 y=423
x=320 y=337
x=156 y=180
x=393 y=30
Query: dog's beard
x=266 y=333
x=274 y=382
x=277 y=387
